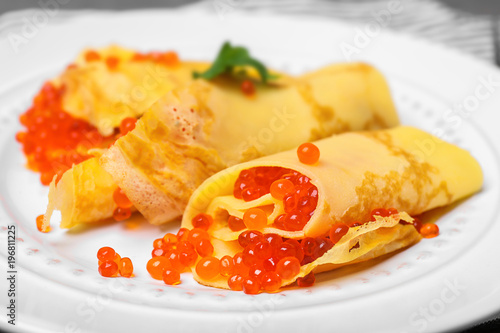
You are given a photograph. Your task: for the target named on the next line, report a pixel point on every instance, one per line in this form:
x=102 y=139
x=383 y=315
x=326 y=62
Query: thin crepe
x=404 y=168
x=194 y=132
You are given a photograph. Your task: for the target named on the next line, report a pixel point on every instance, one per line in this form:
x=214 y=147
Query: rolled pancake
x=104 y=96
x=194 y=132
x=403 y=168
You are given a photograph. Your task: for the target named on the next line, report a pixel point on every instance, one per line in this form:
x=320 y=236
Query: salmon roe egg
x=92 y=55
x=235 y=224
x=204 y=248
x=127 y=124
x=251 y=286
x=255 y=218
x=106 y=253
x=249 y=237
x=171 y=277
x=417 y=223
x=112 y=62
x=208 y=268
x=108 y=268
x=281 y=187
x=121 y=199
x=40 y=224
x=308 y=153
x=196 y=235
x=126 y=267
x=235 y=282
x=338 y=231
x=182 y=234
x=288 y=267
x=247 y=87
x=429 y=230
x=120 y=214
x=226 y=266
x=156 y=266
x=307 y=280
x=270 y=281
x=202 y=221
x=170 y=239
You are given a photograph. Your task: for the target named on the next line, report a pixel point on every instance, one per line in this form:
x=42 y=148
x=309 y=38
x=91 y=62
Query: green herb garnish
x=230 y=57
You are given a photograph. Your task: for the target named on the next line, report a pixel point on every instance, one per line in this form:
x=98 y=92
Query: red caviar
x=168 y=58
x=271 y=281
x=54 y=140
x=156 y=266
x=108 y=268
x=307 y=280
x=247 y=87
x=338 y=231
x=308 y=153
x=127 y=124
x=288 y=267
x=235 y=282
x=41 y=225
x=226 y=266
x=255 y=218
x=106 y=253
x=92 y=55
x=204 y=248
x=202 y=221
x=121 y=214
x=429 y=230
x=208 y=268
x=126 y=267
x=171 y=277
x=279 y=188
x=251 y=286
x=235 y=224
x=112 y=62
x=121 y=199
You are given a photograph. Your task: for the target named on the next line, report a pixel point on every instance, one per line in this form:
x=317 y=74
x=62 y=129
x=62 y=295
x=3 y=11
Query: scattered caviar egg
x=271 y=281
x=255 y=218
x=226 y=266
x=308 y=153
x=299 y=253
x=158 y=243
x=251 y=285
x=106 y=253
x=208 y=268
x=249 y=257
x=127 y=125
x=202 y=221
x=156 y=266
x=158 y=252
x=417 y=224
x=108 y=268
x=308 y=245
x=171 y=277
x=204 y=248
x=170 y=238
x=92 y=55
x=182 y=234
x=380 y=212
x=126 y=267
x=285 y=250
x=121 y=214
x=338 y=231
x=40 y=224
x=429 y=230
x=249 y=236
x=121 y=199
x=295 y=221
x=196 y=235
x=247 y=87
x=263 y=250
x=117 y=258
x=175 y=258
x=269 y=264
x=307 y=280
x=235 y=224
x=235 y=282
x=256 y=272
x=288 y=267
x=279 y=188
x=112 y=62
x=392 y=211
x=239 y=266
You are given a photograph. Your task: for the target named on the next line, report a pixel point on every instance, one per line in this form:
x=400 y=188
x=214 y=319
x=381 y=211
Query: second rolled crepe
x=387 y=170
x=194 y=132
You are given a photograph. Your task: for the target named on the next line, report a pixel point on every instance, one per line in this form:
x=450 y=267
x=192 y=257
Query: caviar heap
x=53 y=140
x=112 y=265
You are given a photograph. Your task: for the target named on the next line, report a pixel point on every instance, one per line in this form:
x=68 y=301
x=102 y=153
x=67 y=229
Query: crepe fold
x=103 y=95
x=403 y=168
x=196 y=131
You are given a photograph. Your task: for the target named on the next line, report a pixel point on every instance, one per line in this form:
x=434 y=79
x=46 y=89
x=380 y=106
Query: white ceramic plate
x=439 y=284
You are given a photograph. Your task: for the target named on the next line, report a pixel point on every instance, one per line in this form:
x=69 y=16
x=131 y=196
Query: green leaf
x=230 y=57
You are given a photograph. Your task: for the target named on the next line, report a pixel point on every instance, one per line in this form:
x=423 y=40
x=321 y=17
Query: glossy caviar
x=111 y=264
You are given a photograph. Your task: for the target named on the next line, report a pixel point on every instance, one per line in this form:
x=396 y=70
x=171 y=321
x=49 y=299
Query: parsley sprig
x=231 y=56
